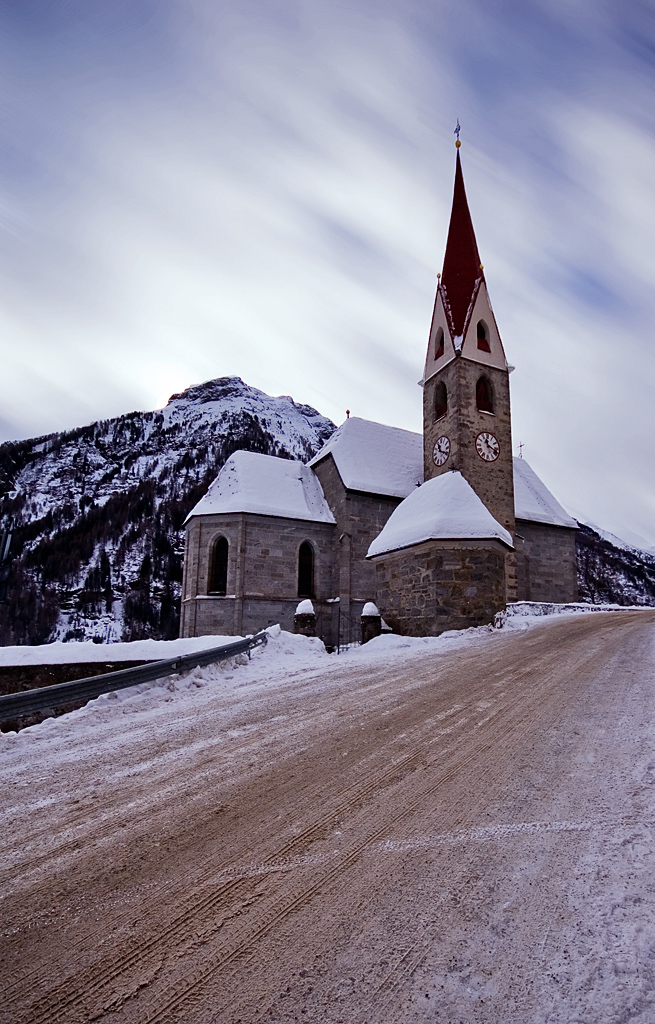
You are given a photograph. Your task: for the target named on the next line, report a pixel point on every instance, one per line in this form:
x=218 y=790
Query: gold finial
x=438 y=276
x=458 y=144
x=347 y=414
x=456 y=132
x=481 y=267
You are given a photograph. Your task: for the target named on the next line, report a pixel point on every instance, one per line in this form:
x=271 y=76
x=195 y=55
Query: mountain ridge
x=98 y=510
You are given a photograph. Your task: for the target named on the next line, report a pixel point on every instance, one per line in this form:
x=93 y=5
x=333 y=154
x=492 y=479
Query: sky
x=193 y=189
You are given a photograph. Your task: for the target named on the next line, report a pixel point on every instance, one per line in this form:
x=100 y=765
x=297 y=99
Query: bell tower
x=466 y=403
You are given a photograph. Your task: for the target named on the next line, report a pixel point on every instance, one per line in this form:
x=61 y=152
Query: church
x=440 y=530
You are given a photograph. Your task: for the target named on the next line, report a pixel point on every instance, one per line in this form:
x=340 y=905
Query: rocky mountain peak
x=98 y=511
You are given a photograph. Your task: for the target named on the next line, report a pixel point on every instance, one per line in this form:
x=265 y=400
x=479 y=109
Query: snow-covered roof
x=249 y=482
x=534 y=502
x=444 y=508
x=374 y=458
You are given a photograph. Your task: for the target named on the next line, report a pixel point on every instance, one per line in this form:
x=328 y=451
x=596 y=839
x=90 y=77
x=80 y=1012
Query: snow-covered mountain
x=610 y=570
x=98 y=511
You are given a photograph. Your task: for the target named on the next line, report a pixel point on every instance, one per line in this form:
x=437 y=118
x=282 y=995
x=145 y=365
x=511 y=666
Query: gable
x=481 y=311
x=374 y=458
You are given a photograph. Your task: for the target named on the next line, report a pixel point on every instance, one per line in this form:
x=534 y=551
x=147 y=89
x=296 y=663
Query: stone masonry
x=492 y=481
x=360 y=518
x=262 y=576
x=440 y=585
x=546 y=562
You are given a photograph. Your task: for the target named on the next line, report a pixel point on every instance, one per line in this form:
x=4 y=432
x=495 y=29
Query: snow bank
x=389 y=643
x=77 y=651
x=374 y=458
x=444 y=508
x=522 y=613
x=193 y=693
x=249 y=482
x=285 y=658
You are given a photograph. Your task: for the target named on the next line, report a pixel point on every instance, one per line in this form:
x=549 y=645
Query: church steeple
x=462 y=271
x=466 y=406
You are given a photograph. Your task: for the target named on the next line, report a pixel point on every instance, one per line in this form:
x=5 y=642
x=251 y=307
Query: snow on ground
x=83 y=651
x=543 y=894
x=202 y=690
x=522 y=614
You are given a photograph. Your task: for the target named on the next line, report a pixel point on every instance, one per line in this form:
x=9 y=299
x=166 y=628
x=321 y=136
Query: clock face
x=441 y=450
x=487 y=446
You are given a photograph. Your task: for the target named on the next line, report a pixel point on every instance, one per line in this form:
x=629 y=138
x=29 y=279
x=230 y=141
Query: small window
x=306 y=570
x=440 y=400
x=484 y=395
x=218 y=567
x=483 y=337
x=438 y=344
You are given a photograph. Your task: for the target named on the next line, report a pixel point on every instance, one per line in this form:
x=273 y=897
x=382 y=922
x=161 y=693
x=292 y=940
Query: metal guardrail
x=13 y=705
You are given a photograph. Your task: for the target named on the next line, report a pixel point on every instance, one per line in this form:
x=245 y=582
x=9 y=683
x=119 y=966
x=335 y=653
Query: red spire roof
x=461 y=266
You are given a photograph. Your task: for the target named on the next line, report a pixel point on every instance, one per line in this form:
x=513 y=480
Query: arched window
x=305 y=570
x=484 y=395
x=483 y=336
x=438 y=344
x=218 y=567
x=440 y=400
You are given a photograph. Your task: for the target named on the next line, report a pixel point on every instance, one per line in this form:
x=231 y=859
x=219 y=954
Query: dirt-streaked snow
x=458 y=828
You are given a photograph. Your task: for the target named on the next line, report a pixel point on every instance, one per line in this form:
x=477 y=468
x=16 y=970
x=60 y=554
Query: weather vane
x=457 y=129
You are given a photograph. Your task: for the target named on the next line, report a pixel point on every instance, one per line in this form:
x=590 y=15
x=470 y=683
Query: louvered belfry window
x=484 y=395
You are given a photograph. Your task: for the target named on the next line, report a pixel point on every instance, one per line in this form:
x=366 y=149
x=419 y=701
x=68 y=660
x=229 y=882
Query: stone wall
x=262 y=572
x=360 y=518
x=546 y=562
x=439 y=585
x=493 y=482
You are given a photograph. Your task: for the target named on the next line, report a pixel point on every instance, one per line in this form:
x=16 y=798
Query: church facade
x=440 y=530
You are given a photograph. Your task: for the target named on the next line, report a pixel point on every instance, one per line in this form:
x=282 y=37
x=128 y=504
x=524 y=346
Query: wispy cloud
x=194 y=189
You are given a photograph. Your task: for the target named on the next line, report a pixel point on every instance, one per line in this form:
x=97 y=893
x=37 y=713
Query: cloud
x=197 y=189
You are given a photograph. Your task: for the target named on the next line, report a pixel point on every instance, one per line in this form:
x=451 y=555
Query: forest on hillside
x=98 y=512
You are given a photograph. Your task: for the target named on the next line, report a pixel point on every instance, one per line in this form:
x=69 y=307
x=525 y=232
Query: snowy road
x=456 y=833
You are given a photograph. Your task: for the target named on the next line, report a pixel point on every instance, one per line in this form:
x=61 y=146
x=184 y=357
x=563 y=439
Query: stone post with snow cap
x=371 y=622
x=304 y=621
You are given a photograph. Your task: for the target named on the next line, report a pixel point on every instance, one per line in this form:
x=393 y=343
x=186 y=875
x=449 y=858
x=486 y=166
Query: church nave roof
x=268 y=486
x=375 y=458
